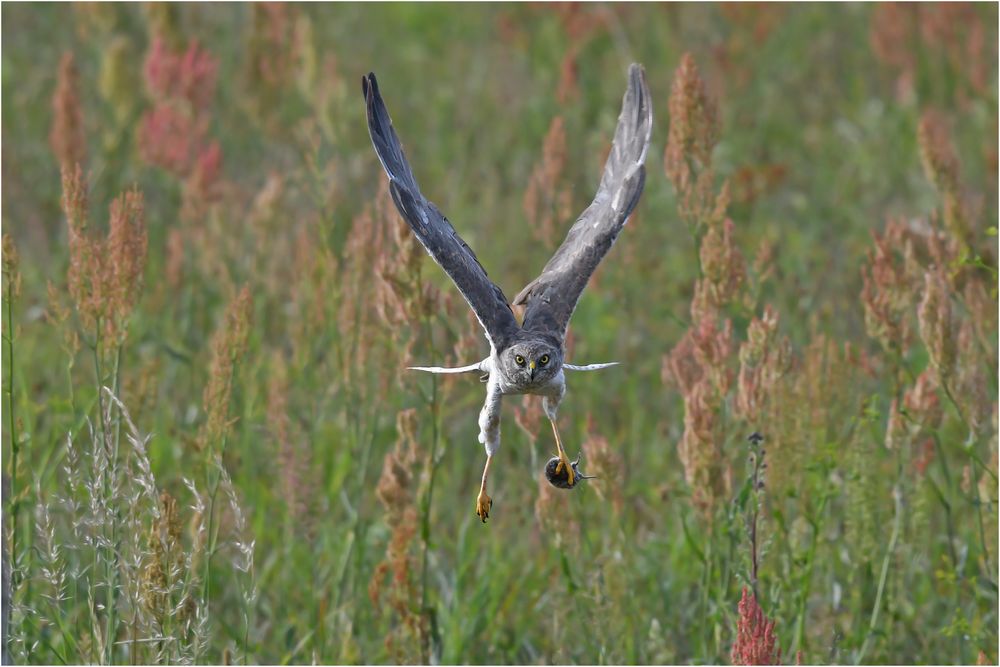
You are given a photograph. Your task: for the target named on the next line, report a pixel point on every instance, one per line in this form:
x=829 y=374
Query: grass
x=212 y=453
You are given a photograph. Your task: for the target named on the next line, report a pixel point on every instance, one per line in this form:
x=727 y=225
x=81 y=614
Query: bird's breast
x=553 y=386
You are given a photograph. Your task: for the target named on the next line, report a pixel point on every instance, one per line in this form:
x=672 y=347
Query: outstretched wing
x=433 y=230
x=551 y=298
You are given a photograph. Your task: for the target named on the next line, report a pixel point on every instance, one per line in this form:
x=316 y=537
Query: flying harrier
x=525 y=358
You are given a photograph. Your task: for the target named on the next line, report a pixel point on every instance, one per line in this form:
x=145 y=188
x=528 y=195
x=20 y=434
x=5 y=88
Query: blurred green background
x=819 y=107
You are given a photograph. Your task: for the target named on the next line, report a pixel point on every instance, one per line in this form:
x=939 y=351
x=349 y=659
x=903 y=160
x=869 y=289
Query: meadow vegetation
x=212 y=451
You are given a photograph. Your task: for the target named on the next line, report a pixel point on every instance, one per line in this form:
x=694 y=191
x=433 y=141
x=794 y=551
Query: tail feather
x=479 y=366
x=590 y=367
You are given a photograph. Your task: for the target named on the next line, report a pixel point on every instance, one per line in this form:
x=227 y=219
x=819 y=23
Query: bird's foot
x=562 y=474
x=483 y=505
x=569 y=468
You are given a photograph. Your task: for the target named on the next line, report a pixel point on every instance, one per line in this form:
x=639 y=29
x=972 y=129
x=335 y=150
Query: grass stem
x=897 y=520
x=15 y=445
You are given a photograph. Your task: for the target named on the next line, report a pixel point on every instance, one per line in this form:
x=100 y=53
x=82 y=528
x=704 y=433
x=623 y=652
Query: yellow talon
x=483 y=505
x=570 y=473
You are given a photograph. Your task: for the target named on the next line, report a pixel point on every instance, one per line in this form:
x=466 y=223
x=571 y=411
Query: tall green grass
x=213 y=453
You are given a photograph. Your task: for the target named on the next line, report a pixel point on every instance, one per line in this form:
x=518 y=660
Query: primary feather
x=433 y=230
x=551 y=298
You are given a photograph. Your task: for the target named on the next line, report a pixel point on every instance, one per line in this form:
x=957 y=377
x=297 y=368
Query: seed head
x=189 y=76
x=694 y=127
x=922 y=402
x=172 y=135
x=691 y=139
x=700 y=366
x=169 y=138
x=66 y=135
x=228 y=346
x=397 y=492
x=887 y=292
x=934 y=318
x=756 y=643
x=937 y=152
x=127 y=245
x=722 y=263
x=11 y=266
x=105 y=275
x=764 y=360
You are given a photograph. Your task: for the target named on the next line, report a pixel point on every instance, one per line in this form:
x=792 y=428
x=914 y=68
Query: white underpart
x=489 y=417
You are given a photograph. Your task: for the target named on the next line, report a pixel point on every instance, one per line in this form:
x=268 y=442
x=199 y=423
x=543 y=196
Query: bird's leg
x=550 y=404
x=484 y=503
x=564 y=461
x=489 y=435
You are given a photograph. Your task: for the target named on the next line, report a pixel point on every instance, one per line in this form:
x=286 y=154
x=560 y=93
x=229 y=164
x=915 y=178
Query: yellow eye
x=544 y=360
x=519 y=359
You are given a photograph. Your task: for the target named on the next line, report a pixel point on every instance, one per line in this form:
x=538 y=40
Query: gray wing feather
x=551 y=298
x=433 y=230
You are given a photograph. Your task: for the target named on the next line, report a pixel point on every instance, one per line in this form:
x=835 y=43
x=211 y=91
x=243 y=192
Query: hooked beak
x=531 y=367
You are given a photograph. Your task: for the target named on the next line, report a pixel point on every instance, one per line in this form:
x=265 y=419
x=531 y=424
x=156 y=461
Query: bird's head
x=531 y=362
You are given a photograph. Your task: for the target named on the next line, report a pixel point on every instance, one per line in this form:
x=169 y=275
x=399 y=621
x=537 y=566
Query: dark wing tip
x=369 y=83
x=637 y=82
x=637 y=113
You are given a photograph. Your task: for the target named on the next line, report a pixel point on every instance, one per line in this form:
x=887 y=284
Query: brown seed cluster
x=356 y=323
x=701 y=365
x=918 y=279
x=398 y=492
x=694 y=131
x=698 y=367
x=11 y=266
x=764 y=359
x=722 y=264
x=936 y=327
x=164 y=560
x=942 y=168
x=887 y=293
x=105 y=275
x=228 y=346
x=66 y=136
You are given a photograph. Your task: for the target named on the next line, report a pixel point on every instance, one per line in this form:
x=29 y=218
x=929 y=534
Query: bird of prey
x=526 y=357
